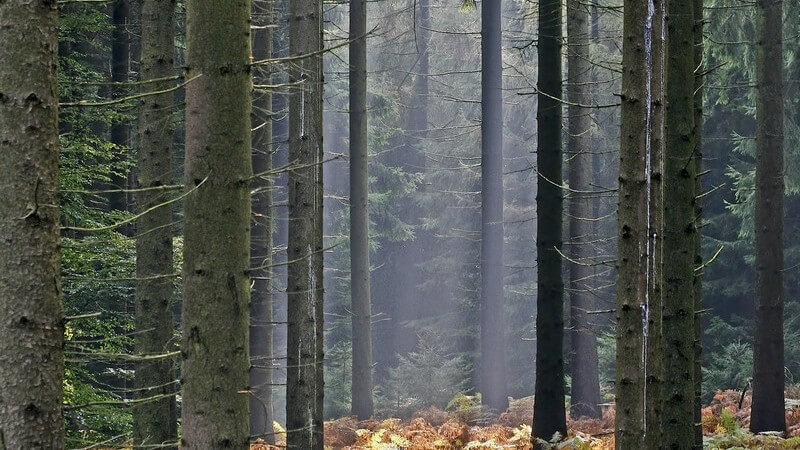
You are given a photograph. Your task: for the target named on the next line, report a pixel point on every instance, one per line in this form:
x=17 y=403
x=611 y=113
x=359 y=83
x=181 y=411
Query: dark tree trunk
x=361 y=310
x=632 y=227
x=261 y=248
x=768 y=361
x=679 y=229
x=697 y=6
x=120 y=68
x=493 y=356
x=585 y=398
x=217 y=227
x=549 y=415
x=155 y=422
x=304 y=345
x=32 y=327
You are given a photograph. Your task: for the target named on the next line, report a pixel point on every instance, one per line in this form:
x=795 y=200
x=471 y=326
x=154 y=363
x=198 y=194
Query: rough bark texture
x=697 y=6
x=679 y=229
x=768 y=373
x=155 y=422
x=585 y=398
x=304 y=287
x=217 y=226
x=632 y=229
x=31 y=326
x=549 y=415
x=120 y=68
x=361 y=309
x=262 y=362
x=493 y=357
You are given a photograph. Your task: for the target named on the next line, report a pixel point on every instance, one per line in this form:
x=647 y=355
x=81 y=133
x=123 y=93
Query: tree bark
x=679 y=229
x=768 y=361
x=585 y=398
x=217 y=226
x=361 y=309
x=32 y=327
x=632 y=227
x=155 y=422
x=262 y=361
x=549 y=415
x=304 y=345
x=493 y=356
x=697 y=7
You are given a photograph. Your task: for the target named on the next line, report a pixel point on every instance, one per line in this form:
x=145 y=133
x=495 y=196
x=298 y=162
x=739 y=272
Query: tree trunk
x=679 y=229
x=120 y=67
x=768 y=367
x=361 y=310
x=261 y=248
x=304 y=281
x=585 y=398
x=217 y=226
x=155 y=422
x=32 y=327
x=549 y=415
x=697 y=6
x=493 y=355
x=632 y=226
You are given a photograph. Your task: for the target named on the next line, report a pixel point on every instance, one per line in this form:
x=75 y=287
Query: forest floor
x=724 y=426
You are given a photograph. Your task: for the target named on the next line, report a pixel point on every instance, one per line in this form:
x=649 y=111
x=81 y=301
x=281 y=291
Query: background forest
x=425 y=185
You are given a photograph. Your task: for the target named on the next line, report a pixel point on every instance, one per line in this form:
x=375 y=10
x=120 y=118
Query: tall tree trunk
x=361 y=309
x=261 y=247
x=155 y=422
x=304 y=280
x=549 y=415
x=768 y=368
x=585 y=398
x=632 y=215
x=493 y=355
x=217 y=226
x=32 y=328
x=697 y=7
x=679 y=229
x=120 y=67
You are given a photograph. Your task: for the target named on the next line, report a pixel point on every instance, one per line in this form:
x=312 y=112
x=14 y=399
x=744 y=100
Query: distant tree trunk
x=261 y=321
x=632 y=228
x=32 y=327
x=304 y=282
x=768 y=367
x=697 y=6
x=217 y=226
x=654 y=345
x=679 y=229
x=549 y=415
x=585 y=398
x=493 y=356
x=317 y=259
x=155 y=422
x=361 y=310
x=120 y=67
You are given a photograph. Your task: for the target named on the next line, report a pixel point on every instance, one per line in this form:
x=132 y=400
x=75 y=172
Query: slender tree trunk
x=768 y=368
x=120 y=67
x=697 y=6
x=653 y=336
x=304 y=281
x=493 y=356
x=32 y=327
x=261 y=248
x=549 y=415
x=155 y=422
x=217 y=226
x=679 y=229
x=632 y=216
x=361 y=309
x=585 y=398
